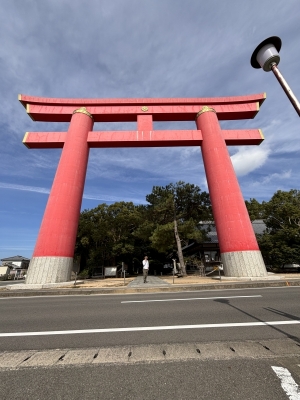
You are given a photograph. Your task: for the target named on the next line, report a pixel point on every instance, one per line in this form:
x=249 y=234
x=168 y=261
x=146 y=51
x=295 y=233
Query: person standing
x=145 y=268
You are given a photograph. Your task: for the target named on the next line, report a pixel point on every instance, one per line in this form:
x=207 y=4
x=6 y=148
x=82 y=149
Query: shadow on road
x=292 y=317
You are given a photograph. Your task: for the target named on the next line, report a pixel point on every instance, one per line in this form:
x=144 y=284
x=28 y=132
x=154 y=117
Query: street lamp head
x=266 y=53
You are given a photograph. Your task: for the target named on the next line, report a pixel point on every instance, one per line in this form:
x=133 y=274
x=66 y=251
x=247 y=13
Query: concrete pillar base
x=49 y=270
x=244 y=264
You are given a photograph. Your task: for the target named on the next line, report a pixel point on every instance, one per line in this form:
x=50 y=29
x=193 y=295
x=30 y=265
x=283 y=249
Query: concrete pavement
x=152 y=282
x=253 y=349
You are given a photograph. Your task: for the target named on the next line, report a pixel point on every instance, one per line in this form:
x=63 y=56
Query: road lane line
x=150 y=328
x=287 y=383
x=191 y=298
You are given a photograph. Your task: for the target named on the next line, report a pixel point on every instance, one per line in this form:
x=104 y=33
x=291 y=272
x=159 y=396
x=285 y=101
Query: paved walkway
x=152 y=282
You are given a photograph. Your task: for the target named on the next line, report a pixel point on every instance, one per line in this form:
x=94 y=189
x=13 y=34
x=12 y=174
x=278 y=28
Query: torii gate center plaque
x=52 y=259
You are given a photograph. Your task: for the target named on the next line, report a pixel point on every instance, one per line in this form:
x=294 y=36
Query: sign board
x=110 y=271
x=76 y=267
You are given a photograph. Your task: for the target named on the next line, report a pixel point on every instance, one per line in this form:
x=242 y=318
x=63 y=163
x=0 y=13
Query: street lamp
x=266 y=56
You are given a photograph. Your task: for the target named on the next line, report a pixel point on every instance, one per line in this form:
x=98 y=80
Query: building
x=209 y=250
x=18 y=265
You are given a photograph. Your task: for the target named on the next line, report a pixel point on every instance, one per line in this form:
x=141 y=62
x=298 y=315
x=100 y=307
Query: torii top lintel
x=143 y=112
x=127 y=110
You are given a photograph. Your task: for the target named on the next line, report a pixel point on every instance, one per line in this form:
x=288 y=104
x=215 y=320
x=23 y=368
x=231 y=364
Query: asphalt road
x=69 y=313
x=224 y=380
x=10 y=282
x=190 y=345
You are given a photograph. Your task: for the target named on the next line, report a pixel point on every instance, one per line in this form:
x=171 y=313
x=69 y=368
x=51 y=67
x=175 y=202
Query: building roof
x=258 y=226
x=15 y=258
x=210 y=231
x=211 y=241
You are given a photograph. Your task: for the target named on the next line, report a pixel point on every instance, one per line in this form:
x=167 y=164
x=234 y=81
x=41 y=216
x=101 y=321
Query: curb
x=124 y=290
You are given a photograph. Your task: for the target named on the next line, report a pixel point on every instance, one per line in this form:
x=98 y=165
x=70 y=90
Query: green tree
x=255 y=209
x=123 y=219
x=280 y=243
x=106 y=233
x=174 y=213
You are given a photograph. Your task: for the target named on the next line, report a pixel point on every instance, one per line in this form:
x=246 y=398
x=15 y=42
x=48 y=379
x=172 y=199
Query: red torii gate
x=52 y=259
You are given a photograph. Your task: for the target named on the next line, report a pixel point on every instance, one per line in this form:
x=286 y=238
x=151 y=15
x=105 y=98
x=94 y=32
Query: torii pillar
x=52 y=259
x=53 y=254
x=239 y=250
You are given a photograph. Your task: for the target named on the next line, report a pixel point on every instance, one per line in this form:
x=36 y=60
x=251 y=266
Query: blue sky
x=130 y=48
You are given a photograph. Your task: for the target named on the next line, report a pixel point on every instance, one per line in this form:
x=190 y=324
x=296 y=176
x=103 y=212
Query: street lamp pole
x=266 y=56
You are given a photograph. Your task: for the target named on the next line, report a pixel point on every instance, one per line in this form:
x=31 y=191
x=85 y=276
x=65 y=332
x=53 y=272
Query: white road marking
x=150 y=328
x=191 y=298
x=287 y=383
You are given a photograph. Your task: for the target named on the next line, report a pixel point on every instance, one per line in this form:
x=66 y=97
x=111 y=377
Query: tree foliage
x=175 y=211
x=255 y=209
x=280 y=244
x=109 y=234
x=123 y=231
x=106 y=232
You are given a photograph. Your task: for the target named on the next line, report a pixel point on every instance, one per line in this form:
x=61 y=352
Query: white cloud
x=16 y=247
x=25 y=188
x=276 y=176
x=98 y=197
x=134 y=165
x=111 y=199
x=249 y=159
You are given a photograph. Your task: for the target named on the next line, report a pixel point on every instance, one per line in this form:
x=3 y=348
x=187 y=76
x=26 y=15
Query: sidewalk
x=152 y=281
x=155 y=284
